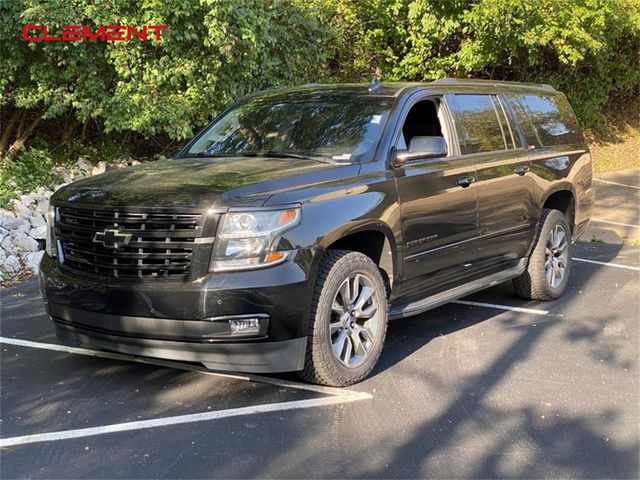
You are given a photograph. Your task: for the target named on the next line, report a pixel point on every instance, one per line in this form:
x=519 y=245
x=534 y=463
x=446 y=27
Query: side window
x=506 y=121
x=422 y=121
x=528 y=130
x=551 y=117
x=477 y=123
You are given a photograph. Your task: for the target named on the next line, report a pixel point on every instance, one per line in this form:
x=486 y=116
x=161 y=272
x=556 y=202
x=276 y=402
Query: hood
x=199 y=182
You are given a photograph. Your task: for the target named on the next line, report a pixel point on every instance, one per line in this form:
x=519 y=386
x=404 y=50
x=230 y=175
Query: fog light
x=245 y=326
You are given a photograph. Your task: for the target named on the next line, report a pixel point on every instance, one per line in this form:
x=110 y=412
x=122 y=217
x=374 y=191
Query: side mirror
x=420 y=148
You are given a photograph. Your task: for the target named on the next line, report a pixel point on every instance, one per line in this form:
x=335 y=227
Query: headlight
x=248 y=239
x=51 y=240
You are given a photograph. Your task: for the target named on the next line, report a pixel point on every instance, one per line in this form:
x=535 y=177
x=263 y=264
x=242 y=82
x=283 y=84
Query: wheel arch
x=561 y=197
x=375 y=240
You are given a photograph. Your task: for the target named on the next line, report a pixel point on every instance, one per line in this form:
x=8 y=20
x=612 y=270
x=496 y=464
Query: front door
x=439 y=207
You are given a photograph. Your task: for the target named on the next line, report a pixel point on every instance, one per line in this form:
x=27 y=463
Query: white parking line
x=616 y=183
x=335 y=396
x=600 y=220
x=177 y=365
x=606 y=264
x=181 y=419
x=533 y=311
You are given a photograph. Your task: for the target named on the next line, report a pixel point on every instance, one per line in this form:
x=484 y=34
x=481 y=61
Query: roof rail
x=446 y=80
x=459 y=81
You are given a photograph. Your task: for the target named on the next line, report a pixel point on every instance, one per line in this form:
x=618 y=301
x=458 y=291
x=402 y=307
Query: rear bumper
x=257 y=357
x=584 y=208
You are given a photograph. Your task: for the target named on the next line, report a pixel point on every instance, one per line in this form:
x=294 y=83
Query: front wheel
x=549 y=265
x=348 y=320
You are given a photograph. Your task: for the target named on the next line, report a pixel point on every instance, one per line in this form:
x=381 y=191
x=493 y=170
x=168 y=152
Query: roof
x=395 y=89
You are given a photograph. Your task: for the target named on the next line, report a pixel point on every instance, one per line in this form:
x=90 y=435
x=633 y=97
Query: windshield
x=338 y=129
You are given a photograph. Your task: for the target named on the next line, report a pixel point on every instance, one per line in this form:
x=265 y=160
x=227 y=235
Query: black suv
x=286 y=234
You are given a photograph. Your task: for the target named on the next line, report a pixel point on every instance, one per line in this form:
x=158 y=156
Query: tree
x=213 y=52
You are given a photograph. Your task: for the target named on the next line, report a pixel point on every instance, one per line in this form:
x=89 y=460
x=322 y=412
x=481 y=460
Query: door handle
x=521 y=170
x=464 y=182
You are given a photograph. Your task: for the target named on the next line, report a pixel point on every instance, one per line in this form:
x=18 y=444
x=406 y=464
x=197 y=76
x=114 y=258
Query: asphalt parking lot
x=489 y=387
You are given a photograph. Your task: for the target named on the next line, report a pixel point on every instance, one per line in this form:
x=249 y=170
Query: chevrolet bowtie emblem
x=112 y=238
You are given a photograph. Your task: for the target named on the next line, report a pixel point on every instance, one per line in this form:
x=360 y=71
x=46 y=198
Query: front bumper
x=256 y=357
x=187 y=320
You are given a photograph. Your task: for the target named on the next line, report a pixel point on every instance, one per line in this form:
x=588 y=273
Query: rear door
x=507 y=209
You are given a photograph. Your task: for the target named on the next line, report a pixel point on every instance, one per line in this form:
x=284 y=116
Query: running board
x=455 y=293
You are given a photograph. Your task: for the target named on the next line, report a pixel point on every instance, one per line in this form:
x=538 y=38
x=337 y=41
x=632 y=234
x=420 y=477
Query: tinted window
x=551 y=118
x=528 y=130
x=513 y=140
x=336 y=128
x=477 y=124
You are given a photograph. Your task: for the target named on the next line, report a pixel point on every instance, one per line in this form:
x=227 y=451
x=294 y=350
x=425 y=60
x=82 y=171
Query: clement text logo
x=82 y=33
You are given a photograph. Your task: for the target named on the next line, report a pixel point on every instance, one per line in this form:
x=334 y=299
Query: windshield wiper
x=270 y=154
x=281 y=154
x=222 y=154
x=318 y=158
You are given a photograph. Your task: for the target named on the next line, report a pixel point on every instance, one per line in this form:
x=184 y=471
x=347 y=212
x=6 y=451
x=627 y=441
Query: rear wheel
x=550 y=262
x=348 y=320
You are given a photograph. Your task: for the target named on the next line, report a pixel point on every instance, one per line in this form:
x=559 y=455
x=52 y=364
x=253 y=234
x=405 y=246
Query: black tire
x=534 y=283
x=322 y=365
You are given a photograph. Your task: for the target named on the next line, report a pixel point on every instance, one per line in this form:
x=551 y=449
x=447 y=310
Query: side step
x=420 y=306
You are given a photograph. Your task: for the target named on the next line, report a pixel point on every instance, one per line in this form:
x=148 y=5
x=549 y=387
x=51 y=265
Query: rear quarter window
x=545 y=120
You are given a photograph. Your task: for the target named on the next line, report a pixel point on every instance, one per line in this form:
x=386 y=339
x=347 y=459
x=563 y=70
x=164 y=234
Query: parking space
x=74 y=392
x=493 y=386
x=616 y=218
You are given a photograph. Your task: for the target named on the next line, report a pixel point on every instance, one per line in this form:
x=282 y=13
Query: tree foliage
x=212 y=52
x=217 y=50
x=590 y=49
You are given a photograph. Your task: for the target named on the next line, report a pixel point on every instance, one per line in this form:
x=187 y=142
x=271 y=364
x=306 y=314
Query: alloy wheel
x=355 y=320
x=556 y=256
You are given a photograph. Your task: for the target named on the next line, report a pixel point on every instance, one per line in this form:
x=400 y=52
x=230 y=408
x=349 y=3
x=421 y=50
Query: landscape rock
x=23 y=242
x=3 y=233
x=27 y=200
x=22 y=211
x=32 y=260
x=11 y=265
x=38 y=221
x=84 y=165
x=39 y=233
x=23 y=228
x=24 y=223
x=42 y=207
x=101 y=167
x=7 y=244
x=8 y=222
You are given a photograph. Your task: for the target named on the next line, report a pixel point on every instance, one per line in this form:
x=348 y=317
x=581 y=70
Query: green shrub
x=587 y=48
x=212 y=52
x=24 y=173
x=215 y=51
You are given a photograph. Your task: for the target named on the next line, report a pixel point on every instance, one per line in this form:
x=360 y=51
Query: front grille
x=161 y=243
